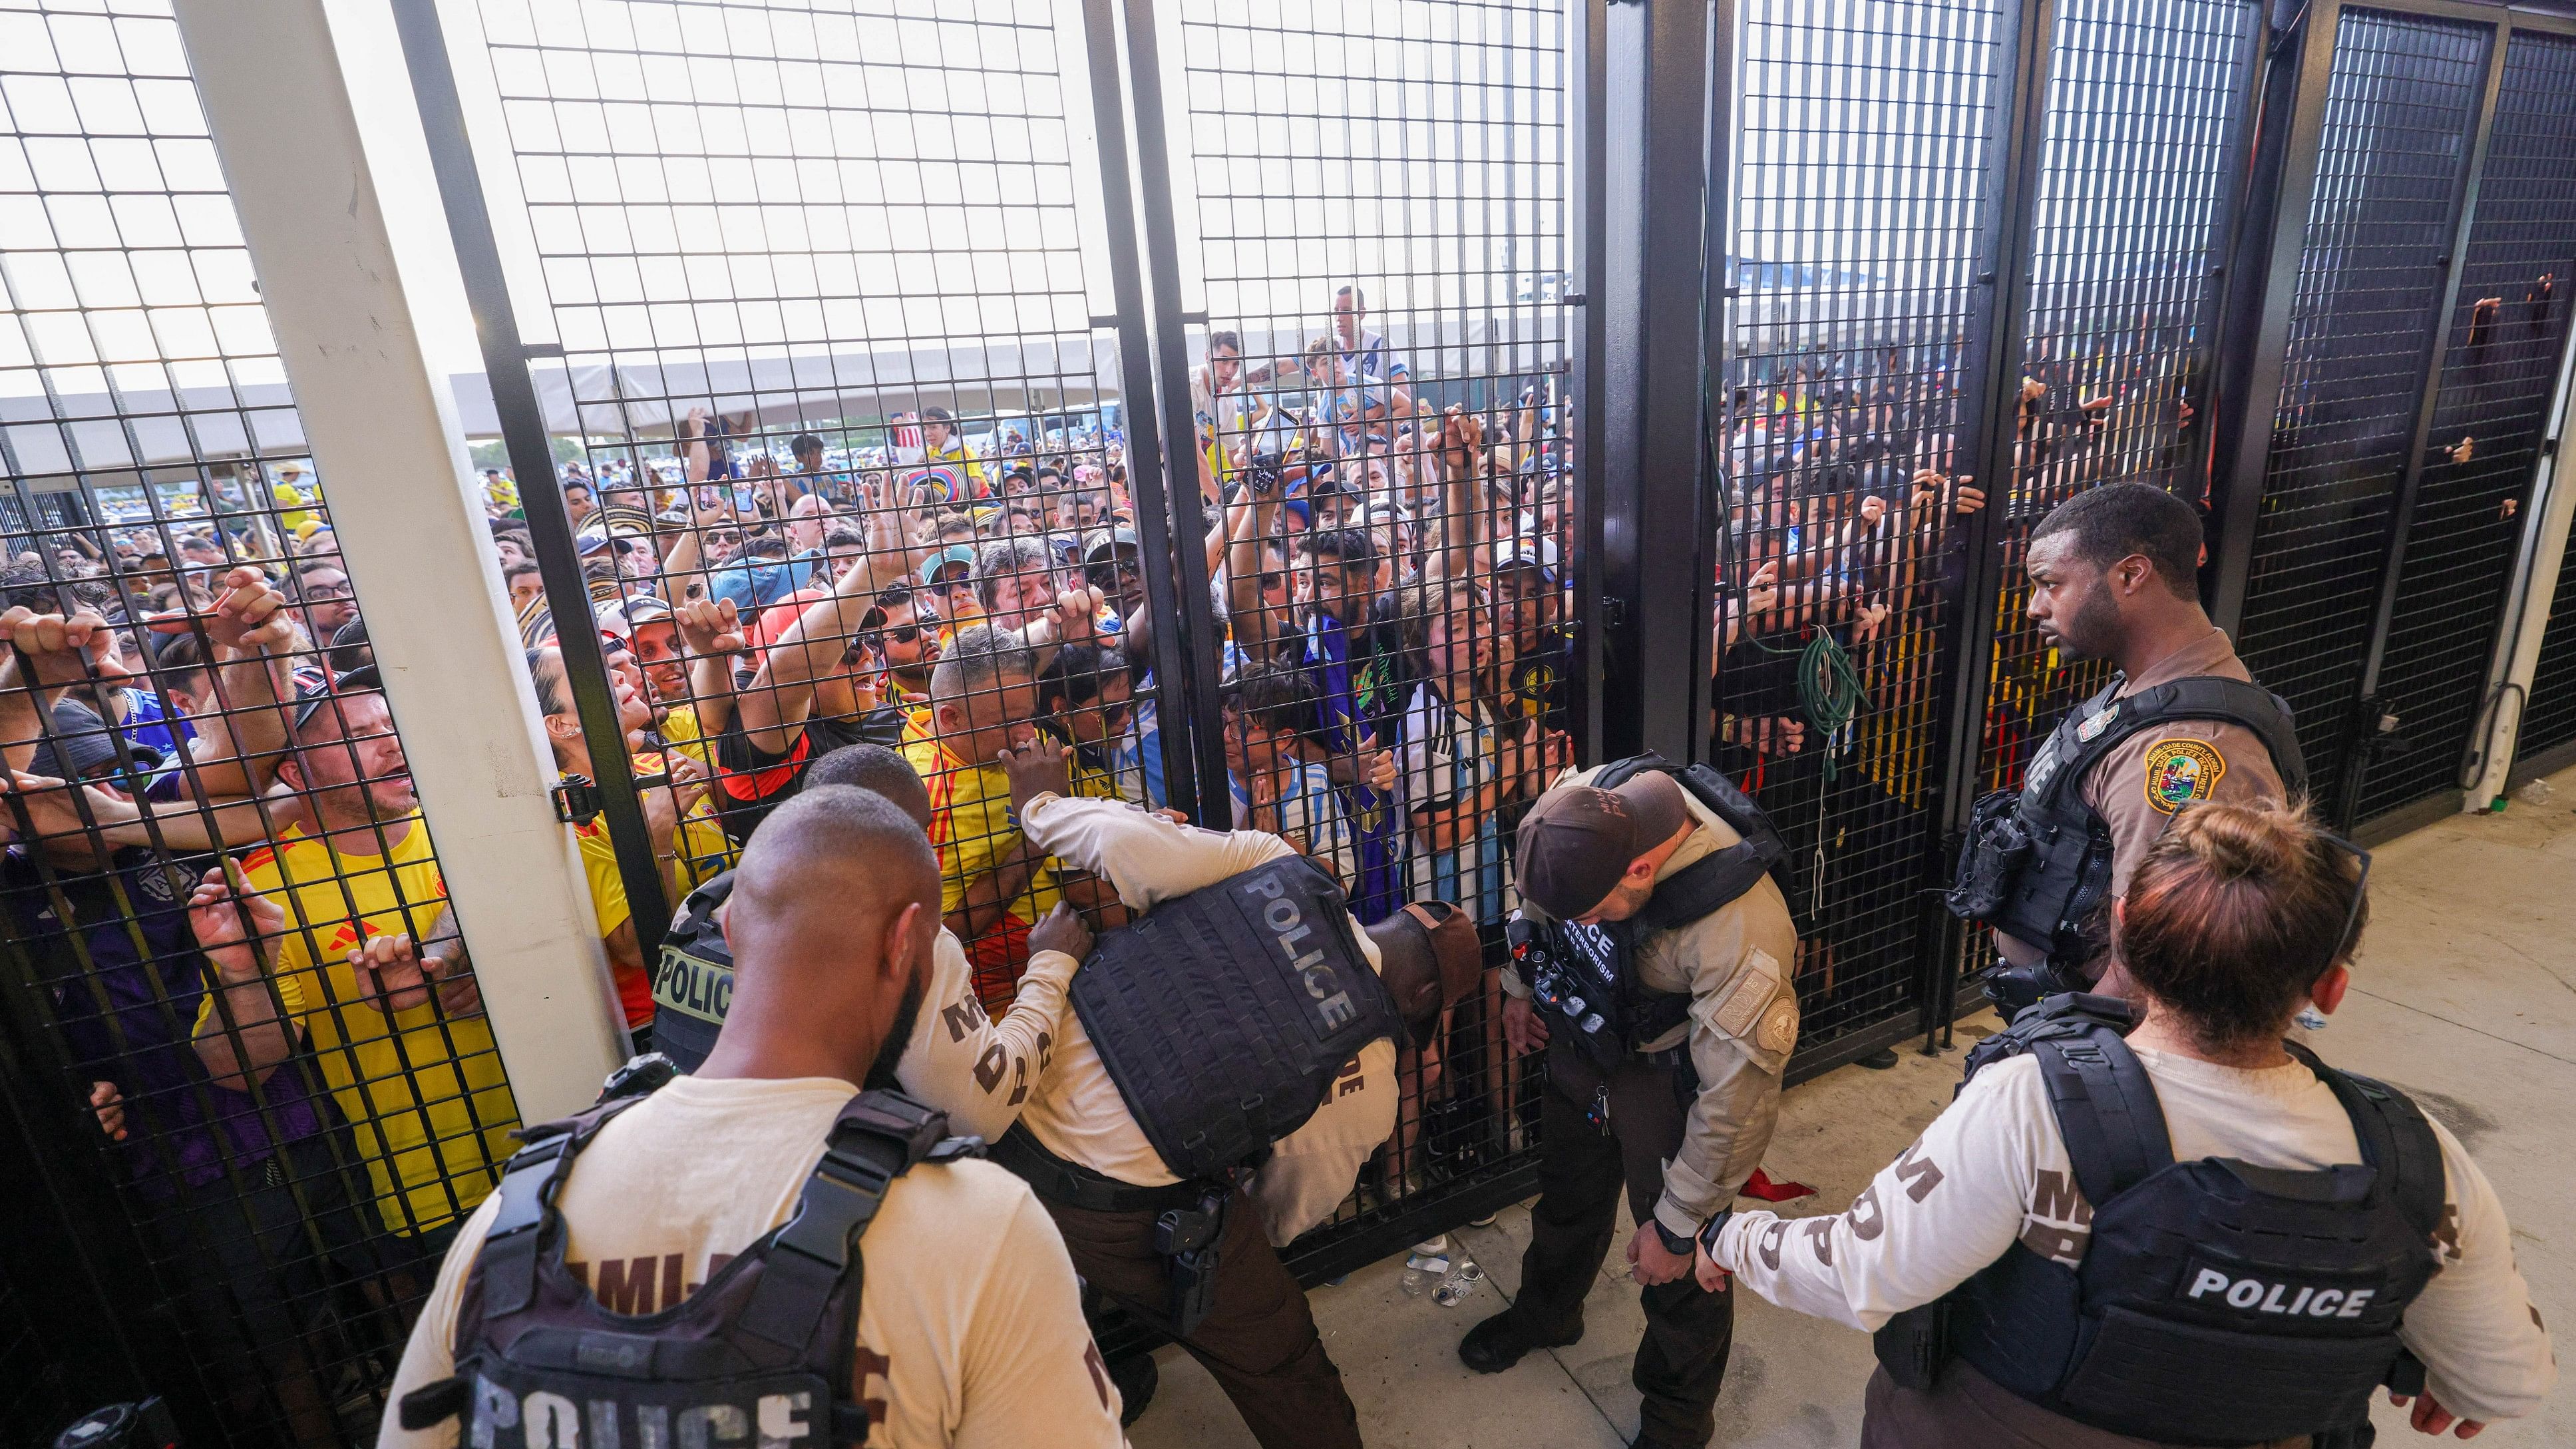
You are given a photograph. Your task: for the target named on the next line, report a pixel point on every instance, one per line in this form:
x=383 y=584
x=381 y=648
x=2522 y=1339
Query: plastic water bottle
x=1428 y=1264
x=1462 y=1280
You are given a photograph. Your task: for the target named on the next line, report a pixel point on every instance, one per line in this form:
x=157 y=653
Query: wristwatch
x=1708 y=1232
x=1674 y=1243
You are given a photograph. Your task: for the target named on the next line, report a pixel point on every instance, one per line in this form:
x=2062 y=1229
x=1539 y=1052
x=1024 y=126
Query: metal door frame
x=2256 y=336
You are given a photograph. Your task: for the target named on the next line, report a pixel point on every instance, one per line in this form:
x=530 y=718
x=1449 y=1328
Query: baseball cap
x=80 y=743
x=1531 y=551
x=1577 y=841
x=1103 y=540
x=953 y=553
x=308 y=700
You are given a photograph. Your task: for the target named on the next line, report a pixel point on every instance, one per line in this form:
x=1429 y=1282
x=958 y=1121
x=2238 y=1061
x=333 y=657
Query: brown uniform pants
x=1682 y=1359
x=1259 y=1340
x=1967 y=1410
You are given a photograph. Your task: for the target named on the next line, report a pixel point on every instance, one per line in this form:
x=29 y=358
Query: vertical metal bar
x=1717 y=343
x=1179 y=677
x=2262 y=286
x=523 y=432
x=1587 y=85
x=1991 y=361
x=1171 y=395
x=2247 y=201
x=1656 y=523
x=2368 y=730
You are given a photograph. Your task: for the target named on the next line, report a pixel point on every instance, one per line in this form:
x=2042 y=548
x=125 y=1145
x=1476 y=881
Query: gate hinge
x=576 y=800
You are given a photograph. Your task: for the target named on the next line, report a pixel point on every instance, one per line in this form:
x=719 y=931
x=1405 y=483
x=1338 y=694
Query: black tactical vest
x=1585 y=977
x=2217 y=1302
x=1224 y=1015
x=763 y=1353
x=694 y=982
x=2037 y=862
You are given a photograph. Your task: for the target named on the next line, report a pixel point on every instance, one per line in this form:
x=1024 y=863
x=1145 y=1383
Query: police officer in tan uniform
x=1084 y=1142
x=1651 y=959
x=2113 y=574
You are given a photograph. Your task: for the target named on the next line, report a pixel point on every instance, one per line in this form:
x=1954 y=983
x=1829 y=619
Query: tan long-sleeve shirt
x=1076 y=1111
x=960 y=1060
x=1734 y=964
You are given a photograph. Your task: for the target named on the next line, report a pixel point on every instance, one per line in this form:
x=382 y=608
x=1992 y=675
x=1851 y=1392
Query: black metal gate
x=2423 y=346
x=947 y=315
x=2507 y=341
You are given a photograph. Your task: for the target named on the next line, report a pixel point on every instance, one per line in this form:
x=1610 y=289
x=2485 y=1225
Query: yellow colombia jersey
x=426 y=1096
x=971 y=826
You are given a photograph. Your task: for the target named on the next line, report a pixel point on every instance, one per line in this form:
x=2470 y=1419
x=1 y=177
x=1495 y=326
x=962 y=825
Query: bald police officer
x=779 y=1248
x=2113 y=576
x=1228 y=1065
x=959 y=1059
x=1651 y=959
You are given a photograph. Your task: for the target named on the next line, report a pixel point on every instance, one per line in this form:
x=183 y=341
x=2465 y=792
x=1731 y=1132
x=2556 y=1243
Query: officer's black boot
x=1499 y=1342
x=1136 y=1376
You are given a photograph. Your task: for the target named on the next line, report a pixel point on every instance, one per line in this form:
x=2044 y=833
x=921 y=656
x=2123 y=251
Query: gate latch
x=576 y=800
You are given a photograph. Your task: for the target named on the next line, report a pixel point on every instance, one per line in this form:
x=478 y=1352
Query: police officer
x=876 y=1309
x=1651 y=958
x=1228 y=1066
x=2113 y=575
x=958 y=1059
x=2200 y=1234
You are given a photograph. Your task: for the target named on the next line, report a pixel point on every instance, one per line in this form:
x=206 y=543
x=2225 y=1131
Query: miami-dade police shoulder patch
x=2182 y=771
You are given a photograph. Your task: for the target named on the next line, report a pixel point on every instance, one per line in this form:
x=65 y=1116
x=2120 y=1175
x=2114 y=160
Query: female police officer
x=2198 y=1235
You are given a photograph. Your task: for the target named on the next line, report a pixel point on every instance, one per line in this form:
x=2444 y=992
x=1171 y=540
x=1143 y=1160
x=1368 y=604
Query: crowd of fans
x=219 y=869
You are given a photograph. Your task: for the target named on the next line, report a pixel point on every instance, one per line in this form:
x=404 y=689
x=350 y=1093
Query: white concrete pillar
x=288 y=121
x=2535 y=585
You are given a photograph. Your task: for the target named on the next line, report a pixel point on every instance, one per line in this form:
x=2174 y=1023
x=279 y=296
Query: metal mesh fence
x=2145 y=112
x=827 y=348
x=1374 y=207
x=832 y=409
x=210 y=812
x=1847 y=352
x=2508 y=333
x=2549 y=724
x=2398 y=111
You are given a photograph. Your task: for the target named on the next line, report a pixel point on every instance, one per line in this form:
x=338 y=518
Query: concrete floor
x=2465 y=996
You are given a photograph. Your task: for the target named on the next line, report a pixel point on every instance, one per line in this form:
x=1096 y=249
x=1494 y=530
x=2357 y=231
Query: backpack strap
x=2068 y=1014
x=2395 y=1140
x=527 y=1222
x=877 y=1138
x=1709 y=884
x=2107 y=1112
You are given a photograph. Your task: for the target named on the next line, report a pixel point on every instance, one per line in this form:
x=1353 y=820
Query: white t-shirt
x=970 y=1323
x=1076 y=1111
x=1310 y=810
x=1992 y=1170
x=1447 y=756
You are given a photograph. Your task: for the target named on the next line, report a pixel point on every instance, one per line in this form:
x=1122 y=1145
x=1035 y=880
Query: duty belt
x=1068 y=1184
